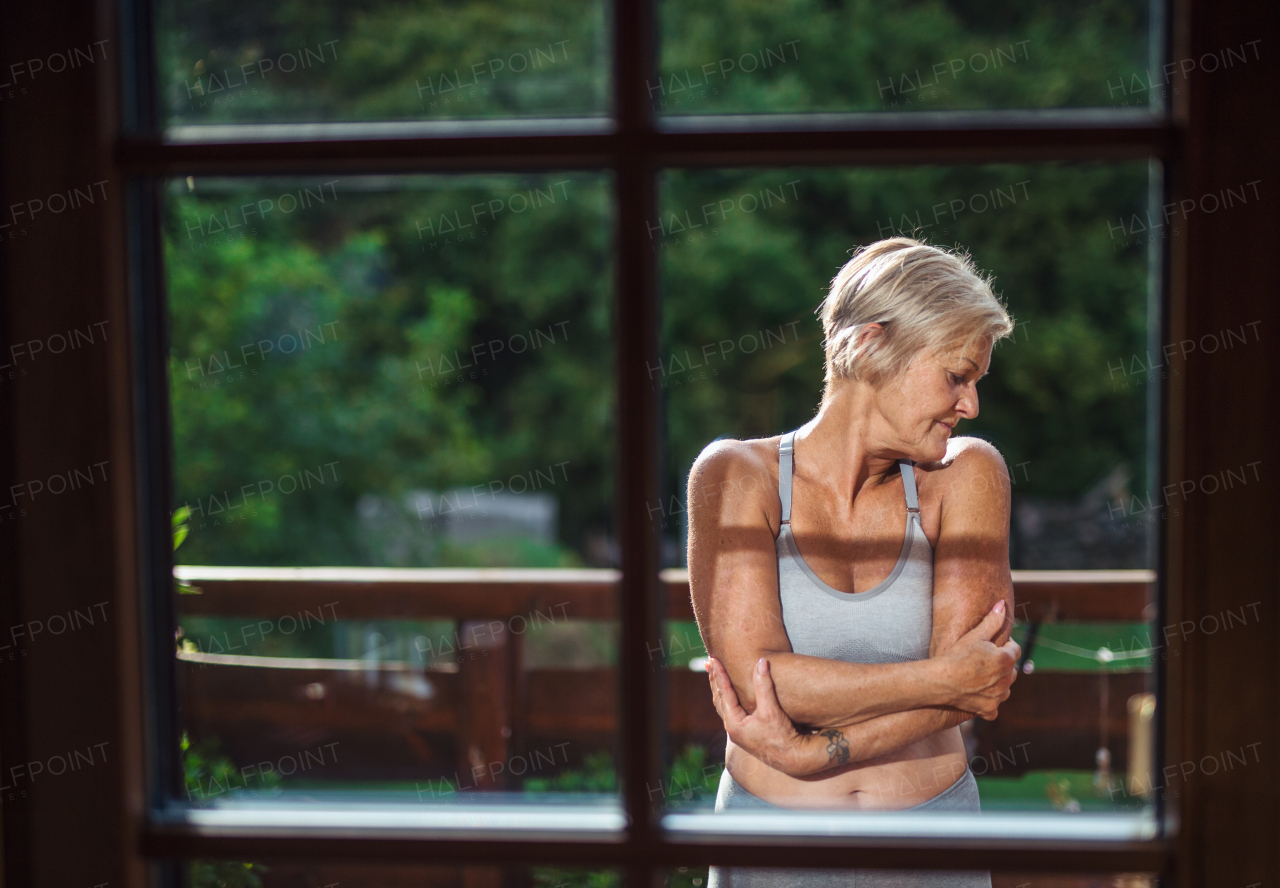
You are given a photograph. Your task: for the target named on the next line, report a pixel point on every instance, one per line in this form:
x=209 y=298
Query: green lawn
x=1054 y=791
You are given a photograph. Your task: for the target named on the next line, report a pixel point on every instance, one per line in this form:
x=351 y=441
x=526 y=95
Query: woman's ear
x=868 y=334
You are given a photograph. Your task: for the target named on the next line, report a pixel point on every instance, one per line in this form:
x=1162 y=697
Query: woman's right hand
x=768 y=733
x=978 y=674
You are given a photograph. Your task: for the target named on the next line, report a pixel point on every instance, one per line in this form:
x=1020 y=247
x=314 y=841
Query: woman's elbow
x=741 y=670
x=744 y=687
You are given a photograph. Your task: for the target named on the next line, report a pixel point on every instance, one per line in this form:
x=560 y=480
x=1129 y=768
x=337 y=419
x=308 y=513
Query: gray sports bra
x=889 y=623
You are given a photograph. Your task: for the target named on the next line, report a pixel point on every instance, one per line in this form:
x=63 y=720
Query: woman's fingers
x=715 y=691
x=729 y=708
x=987 y=629
x=767 y=705
x=992 y=623
x=715 y=688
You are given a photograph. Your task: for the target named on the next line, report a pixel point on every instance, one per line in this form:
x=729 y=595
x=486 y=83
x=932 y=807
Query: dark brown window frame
x=97 y=826
x=635 y=148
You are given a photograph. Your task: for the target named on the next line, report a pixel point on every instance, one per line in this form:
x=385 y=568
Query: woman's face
x=937 y=390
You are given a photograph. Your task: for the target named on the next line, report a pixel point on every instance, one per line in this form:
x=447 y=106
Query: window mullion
x=636 y=345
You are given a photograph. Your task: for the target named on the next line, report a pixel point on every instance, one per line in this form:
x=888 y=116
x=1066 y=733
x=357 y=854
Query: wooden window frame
x=1205 y=141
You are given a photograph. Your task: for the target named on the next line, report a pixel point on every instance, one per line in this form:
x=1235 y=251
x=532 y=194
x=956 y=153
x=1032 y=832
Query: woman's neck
x=845 y=444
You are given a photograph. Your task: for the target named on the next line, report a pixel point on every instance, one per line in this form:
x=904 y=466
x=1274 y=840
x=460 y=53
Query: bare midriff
x=900 y=779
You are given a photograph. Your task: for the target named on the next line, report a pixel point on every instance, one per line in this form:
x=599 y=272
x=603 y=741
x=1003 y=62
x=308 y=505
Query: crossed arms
x=803 y=714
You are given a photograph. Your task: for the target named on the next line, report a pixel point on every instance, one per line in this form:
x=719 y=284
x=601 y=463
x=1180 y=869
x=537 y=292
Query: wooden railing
x=484 y=707
x=589 y=594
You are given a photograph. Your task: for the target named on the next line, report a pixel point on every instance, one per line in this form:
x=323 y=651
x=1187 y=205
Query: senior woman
x=851 y=578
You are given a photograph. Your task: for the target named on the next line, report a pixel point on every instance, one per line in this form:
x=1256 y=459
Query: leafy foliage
x=597 y=774
x=1080 y=302
x=224 y=874
x=367 y=406
x=181 y=527
x=208 y=773
x=860 y=55
x=203 y=766
x=333 y=362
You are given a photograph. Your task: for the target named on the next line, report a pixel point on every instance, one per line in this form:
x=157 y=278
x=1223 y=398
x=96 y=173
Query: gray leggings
x=960 y=796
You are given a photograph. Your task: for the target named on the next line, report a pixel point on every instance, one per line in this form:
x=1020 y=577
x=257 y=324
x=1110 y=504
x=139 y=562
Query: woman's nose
x=967 y=406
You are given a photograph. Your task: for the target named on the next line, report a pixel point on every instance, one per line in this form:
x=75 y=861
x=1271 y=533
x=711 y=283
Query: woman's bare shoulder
x=972 y=465
x=748 y=465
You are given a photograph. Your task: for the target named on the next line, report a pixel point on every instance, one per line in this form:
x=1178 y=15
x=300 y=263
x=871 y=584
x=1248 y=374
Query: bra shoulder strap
x=786 y=444
x=909 y=485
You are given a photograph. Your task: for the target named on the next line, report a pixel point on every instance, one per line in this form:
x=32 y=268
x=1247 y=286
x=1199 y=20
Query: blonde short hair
x=924 y=297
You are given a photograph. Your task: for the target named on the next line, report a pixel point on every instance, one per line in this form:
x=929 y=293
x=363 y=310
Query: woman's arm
x=769 y=735
x=883 y=735
x=971 y=570
x=970 y=575
x=734 y=515
x=971 y=559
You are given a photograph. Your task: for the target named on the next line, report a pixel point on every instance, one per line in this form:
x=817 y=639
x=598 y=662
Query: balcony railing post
x=483 y=728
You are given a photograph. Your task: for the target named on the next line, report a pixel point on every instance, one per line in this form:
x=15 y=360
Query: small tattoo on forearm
x=837 y=747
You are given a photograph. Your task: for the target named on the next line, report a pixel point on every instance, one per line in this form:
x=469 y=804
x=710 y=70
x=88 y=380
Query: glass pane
x=746 y=258
x=759 y=877
x=320 y=874
x=393 y=455
x=808 y=55
x=231 y=61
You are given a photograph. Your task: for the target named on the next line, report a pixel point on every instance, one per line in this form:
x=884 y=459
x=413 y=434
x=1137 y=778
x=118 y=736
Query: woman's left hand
x=768 y=733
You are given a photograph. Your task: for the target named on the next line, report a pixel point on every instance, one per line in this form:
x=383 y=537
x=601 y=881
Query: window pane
x=316 y=874
x=393 y=448
x=746 y=258
x=697 y=877
x=806 y=55
x=231 y=61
